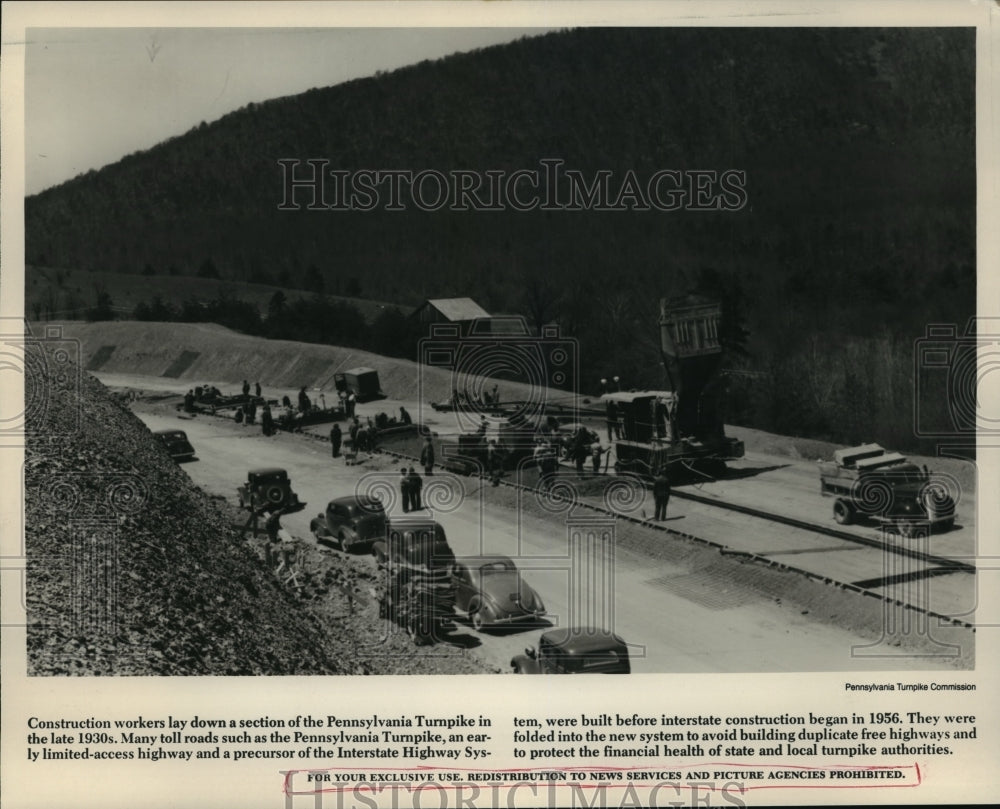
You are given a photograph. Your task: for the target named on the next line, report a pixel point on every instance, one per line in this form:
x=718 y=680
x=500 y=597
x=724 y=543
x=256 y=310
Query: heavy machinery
x=871 y=483
x=680 y=429
x=415 y=563
x=362 y=382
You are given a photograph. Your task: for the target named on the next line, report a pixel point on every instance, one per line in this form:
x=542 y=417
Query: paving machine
x=680 y=428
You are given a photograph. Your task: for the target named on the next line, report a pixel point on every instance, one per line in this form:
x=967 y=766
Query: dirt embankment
x=193 y=353
x=133 y=570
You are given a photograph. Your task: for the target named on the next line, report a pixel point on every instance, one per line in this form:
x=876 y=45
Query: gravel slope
x=133 y=570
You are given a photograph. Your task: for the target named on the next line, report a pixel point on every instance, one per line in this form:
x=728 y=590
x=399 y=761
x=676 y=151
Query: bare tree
x=540 y=297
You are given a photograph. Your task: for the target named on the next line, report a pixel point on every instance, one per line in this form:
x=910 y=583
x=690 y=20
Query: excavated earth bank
x=132 y=570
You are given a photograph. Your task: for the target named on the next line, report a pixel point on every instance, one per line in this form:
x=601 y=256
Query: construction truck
x=871 y=483
x=416 y=590
x=680 y=428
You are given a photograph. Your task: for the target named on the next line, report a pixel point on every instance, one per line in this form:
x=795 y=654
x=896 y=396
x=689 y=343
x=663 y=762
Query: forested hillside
x=858 y=148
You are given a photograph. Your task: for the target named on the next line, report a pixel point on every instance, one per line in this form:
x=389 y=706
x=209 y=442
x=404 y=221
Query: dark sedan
x=575 y=650
x=349 y=521
x=491 y=592
x=176 y=443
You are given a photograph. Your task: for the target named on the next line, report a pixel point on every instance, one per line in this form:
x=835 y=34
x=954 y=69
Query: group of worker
x=489 y=398
x=662 y=418
x=410 y=487
x=364 y=437
x=247 y=414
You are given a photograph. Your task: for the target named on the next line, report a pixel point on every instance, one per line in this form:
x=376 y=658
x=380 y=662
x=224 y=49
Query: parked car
x=269 y=488
x=415 y=541
x=577 y=650
x=415 y=563
x=491 y=592
x=349 y=521
x=176 y=443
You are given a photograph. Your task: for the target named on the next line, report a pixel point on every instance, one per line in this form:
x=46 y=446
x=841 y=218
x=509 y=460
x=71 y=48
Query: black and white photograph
x=344 y=342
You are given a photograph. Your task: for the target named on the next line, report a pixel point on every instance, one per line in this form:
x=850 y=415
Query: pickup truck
x=869 y=482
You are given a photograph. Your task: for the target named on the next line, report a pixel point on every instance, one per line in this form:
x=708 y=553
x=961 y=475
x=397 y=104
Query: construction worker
x=611 y=416
x=427 y=456
x=256 y=389
x=267 y=420
x=246 y=388
x=404 y=489
x=336 y=437
x=404 y=417
x=661 y=493
x=416 y=484
x=596 y=451
x=581 y=449
x=494 y=458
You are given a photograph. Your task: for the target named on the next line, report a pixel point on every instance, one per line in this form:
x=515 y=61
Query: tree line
x=314 y=319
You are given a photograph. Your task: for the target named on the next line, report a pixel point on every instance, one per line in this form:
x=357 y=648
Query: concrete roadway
x=679 y=621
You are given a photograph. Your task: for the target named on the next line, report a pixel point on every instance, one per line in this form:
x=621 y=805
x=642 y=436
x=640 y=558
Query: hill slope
x=858 y=148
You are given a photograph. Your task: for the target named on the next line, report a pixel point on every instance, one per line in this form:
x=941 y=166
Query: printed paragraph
x=420 y=736
x=634 y=736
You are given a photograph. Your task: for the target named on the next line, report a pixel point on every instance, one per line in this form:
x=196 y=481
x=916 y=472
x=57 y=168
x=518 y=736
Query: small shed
x=362 y=382
x=463 y=313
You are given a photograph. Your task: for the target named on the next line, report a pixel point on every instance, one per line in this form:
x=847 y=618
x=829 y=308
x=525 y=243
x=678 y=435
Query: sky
x=94 y=95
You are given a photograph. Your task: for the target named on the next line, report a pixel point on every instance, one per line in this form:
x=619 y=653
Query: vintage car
x=176 y=443
x=349 y=521
x=872 y=483
x=269 y=489
x=490 y=591
x=415 y=563
x=576 y=650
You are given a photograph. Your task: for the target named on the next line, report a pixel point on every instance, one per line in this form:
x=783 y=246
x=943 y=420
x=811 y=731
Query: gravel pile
x=132 y=570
